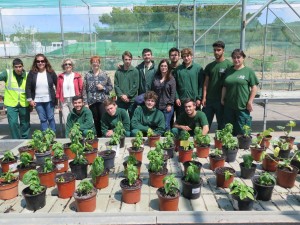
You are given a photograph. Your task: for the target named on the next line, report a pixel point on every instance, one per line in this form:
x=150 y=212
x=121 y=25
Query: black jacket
x=31 y=85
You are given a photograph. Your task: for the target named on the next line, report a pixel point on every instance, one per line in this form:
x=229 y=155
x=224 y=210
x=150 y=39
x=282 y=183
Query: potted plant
x=282 y=147
x=79 y=164
x=270 y=161
x=287 y=130
x=257 y=151
x=266 y=138
x=244 y=140
x=157 y=171
x=137 y=148
x=186 y=147
x=100 y=175
x=191 y=182
x=37 y=136
x=8 y=186
x=296 y=160
x=108 y=157
x=286 y=174
x=35 y=193
x=119 y=129
x=89 y=152
x=113 y=96
x=219 y=135
x=65 y=184
x=42 y=152
x=131 y=185
x=186 y=164
x=85 y=196
x=242 y=195
x=152 y=137
x=114 y=143
x=27 y=148
x=132 y=160
x=60 y=159
x=247 y=167
x=168 y=195
x=75 y=136
x=230 y=147
x=91 y=139
x=168 y=144
x=216 y=159
x=8 y=162
x=264 y=185
x=224 y=176
x=26 y=164
x=49 y=136
x=47 y=173
x=202 y=143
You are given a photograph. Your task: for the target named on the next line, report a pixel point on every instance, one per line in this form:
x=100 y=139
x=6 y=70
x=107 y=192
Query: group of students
x=147 y=96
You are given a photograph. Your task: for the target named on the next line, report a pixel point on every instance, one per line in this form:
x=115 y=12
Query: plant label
x=13 y=167
x=184 y=144
x=60 y=166
x=196 y=190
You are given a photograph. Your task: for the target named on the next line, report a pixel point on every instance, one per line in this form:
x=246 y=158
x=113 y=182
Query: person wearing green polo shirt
x=239 y=89
x=126 y=83
x=212 y=88
x=189 y=78
x=148 y=116
x=190 y=119
x=15 y=100
x=112 y=116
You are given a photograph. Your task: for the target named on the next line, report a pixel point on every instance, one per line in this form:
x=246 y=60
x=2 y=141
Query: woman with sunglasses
x=40 y=91
x=239 y=89
x=96 y=87
x=69 y=84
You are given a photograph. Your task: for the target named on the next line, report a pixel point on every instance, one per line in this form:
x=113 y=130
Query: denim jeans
x=168 y=117
x=45 y=112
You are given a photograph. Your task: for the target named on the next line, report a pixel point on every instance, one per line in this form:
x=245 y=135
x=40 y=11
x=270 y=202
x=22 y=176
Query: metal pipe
x=217 y=21
x=194 y=30
x=292 y=8
x=89 y=15
x=3 y=36
x=264 y=50
x=178 y=23
x=259 y=11
x=243 y=25
x=62 y=29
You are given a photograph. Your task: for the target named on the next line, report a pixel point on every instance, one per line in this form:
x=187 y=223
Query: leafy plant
x=112 y=94
x=150 y=132
x=202 y=140
x=266 y=179
x=119 y=129
x=156 y=161
x=48 y=165
x=229 y=142
x=8 y=156
x=184 y=135
x=49 y=136
x=256 y=142
x=171 y=185
x=132 y=160
x=197 y=130
x=97 y=167
x=247 y=159
x=192 y=174
x=115 y=139
x=168 y=141
x=216 y=153
x=42 y=147
x=58 y=150
x=281 y=144
x=32 y=179
x=8 y=177
x=247 y=130
x=37 y=137
x=138 y=140
x=75 y=133
x=84 y=188
x=287 y=129
x=131 y=174
x=227 y=174
x=25 y=159
x=87 y=147
x=90 y=135
x=241 y=190
x=77 y=149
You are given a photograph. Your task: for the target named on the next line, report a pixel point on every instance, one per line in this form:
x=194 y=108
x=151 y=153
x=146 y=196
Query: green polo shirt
x=109 y=122
x=199 y=120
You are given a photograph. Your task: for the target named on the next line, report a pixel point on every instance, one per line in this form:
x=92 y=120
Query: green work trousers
x=19 y=130
x=213 y=108
x=238 y=118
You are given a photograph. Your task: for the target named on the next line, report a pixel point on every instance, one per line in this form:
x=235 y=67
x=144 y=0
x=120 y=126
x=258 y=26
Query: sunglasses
x=68 y=64
x=40 y=61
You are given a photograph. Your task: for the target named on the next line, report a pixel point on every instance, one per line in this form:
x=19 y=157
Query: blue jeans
x=168 y=117
x=45 y=112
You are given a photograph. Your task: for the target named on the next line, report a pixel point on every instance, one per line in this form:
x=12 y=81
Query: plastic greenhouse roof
x=121 y=3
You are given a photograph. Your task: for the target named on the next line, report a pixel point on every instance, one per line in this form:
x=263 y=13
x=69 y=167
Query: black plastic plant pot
x=34 y=202
x=189 y=190
x=247 y=173
x=244 y=142
x=264 y=192
x=296 y=163
x=122 y=142
x=109 y=158
x=80 y=170
x=284 y=154
x=170 y=151
x=243 y=205
x=230 y=155
x=186 y=164
x=40 y=157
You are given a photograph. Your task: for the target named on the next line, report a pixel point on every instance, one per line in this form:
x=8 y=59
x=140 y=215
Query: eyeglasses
x=18 y=67
x=68 y=64
x=40 y=61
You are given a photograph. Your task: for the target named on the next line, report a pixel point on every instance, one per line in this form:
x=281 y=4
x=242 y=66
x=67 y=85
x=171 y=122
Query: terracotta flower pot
x=23 y=170
x=93 y=143
x=256 y=153
x=166 y=202
x=62 y=165
x=90 y=156
x=289 y=140
x=9 y=190
x=285 y=177
x=68 y=151
x=152 y=140
x=102 y=180
x=270 y=163
x=86 y=203
x=215 y=162
x=47 y=179
x=26 y=149
x=218 y=144
x=156 y=179
x=138 y=153
x=131 y=194
x=220 y=177
x=265 y=143
x=65 y=184
x=202 y=151
x=185 y=155
x=9 y=165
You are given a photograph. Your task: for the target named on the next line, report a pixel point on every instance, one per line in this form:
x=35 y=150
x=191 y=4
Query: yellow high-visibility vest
x=14 y=94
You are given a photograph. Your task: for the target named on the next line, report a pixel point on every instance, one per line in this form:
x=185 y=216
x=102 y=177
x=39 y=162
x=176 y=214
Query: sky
x=76 y=19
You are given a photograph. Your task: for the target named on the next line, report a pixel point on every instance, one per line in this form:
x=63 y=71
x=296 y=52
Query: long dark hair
x=158 y=73
x=47 y=64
